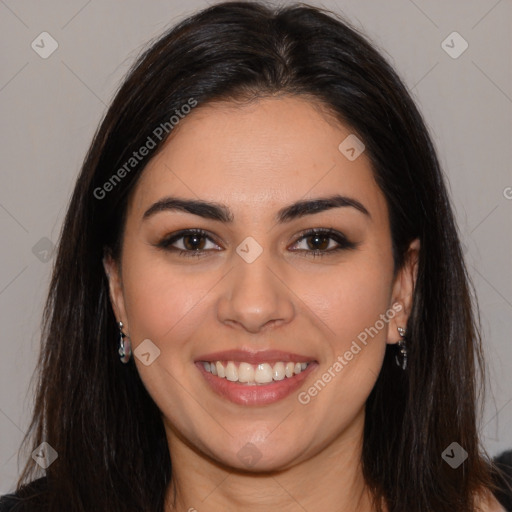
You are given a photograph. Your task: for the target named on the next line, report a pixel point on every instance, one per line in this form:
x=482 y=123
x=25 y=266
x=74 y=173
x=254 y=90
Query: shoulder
x=15 y=501
x=7 y=503
x=488 y=503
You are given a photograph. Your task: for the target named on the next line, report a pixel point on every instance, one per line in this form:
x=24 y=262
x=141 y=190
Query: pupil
x=193 y=245
x=319 y=237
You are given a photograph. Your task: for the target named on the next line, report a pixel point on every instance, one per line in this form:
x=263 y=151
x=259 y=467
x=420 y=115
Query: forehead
x=270 y=152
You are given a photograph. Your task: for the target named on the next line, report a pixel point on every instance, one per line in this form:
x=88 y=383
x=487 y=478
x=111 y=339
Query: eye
x=192 y=242
x=319 y=242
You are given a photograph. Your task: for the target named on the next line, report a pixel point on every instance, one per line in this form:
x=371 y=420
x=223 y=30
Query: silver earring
x=401 y=357
x=125 y=348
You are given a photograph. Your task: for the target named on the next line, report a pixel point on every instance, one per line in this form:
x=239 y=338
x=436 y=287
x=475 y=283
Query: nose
x=255 y=296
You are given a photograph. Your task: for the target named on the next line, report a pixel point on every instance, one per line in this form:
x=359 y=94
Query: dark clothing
x=15 y=502
x=504 y=495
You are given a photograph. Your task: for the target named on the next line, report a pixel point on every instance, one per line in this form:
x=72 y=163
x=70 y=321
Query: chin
x=257 y=459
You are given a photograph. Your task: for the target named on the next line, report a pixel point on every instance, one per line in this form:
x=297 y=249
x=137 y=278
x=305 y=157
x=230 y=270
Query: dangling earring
x=125 y=348
x=401 y=357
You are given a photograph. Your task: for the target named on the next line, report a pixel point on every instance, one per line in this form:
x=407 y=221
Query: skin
x=257 y=159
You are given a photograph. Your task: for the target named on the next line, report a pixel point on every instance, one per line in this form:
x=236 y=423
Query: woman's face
x=261 y=295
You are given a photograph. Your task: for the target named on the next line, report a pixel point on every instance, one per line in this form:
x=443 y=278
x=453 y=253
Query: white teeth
x=220 y=369
x=278 y=371
x=263 y=373
x=247 y=373
x=231 y=372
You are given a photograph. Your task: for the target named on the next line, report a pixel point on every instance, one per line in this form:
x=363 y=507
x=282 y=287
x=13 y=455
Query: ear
x=403 y=289
x=115 y=284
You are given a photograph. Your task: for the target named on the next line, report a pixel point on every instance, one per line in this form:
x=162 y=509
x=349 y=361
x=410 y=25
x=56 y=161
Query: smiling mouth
x=255 y=374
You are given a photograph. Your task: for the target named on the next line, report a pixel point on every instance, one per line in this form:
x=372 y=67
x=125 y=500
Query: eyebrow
x=222 y=213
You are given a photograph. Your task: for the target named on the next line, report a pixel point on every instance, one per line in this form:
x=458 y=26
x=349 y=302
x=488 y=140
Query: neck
x=330 y=480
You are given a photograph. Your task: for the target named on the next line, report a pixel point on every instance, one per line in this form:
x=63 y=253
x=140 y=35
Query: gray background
x=51 y=108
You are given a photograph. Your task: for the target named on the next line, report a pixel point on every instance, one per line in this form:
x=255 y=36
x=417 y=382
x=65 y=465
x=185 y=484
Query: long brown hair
x=96 y=413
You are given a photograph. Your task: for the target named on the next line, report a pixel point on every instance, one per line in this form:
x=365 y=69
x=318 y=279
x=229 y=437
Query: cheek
x=161 y=303
x=353 y=304
x=165 y=306
x=350 y=300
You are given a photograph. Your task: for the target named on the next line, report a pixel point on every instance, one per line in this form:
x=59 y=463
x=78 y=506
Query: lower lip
x=259 y=394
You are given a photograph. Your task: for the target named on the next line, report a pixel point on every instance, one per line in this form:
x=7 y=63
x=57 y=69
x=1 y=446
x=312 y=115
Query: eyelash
x=343 y=243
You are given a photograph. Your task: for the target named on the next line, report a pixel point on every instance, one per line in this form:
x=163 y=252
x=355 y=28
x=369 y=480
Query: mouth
x=249 y=378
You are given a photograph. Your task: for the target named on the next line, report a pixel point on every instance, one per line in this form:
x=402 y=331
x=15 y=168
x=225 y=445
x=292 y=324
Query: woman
x=260 y=300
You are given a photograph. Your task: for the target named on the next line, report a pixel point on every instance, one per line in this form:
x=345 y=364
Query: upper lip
x=255 y=357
